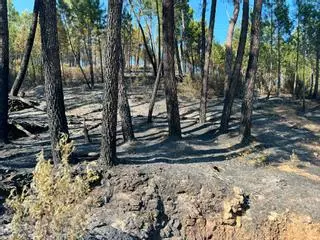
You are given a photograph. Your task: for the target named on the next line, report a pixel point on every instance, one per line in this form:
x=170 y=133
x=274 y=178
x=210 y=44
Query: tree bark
x=108 y=156
x=100 y=58
x=203 y=36
x=247 y=104
x=52 y=73
x=28 y=48
x=90 y=57
x=4 y=71
x=294 y=92
x=124 y=107
x=169 y=69
x=229 y=53
x=154 y=94
x=316 y=82
x=235 y=77
x=279 y=63
x=159 y=32
x=205 y=78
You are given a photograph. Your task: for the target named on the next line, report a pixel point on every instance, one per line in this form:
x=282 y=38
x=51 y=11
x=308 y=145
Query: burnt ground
x=191 y=186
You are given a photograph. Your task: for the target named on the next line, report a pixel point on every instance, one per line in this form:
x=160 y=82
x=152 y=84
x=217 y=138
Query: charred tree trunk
x=100 y=58
x=247 y=104
x=279 y=63
x=203 y=36
x=316 y=82
x=124 y=107
x=52 y=73
x=294 y=91
x=234 y=80
x=205 y=78
x=4 y=71
x=159 y=32
x=229 y=54
x=169 y=72
x=90 y=57
x=26 y=56
x=108 y=154
x=154 y=94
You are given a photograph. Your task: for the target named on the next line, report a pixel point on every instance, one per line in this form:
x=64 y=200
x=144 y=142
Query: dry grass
x=56 y=204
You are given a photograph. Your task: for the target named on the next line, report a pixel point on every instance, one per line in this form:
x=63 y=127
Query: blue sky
x=224 y=8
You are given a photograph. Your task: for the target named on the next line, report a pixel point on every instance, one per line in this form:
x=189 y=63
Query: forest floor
x=205 y=186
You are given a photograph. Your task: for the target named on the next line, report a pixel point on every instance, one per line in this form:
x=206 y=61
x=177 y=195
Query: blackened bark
x=235 y=77
x=100 y=58
x=247 y=104
x=90 y=57
x=124 y=107
x=154 y=94
x=203 y=36
x=169 y=72
x=316 y=83
x=52 y=73
x=205 y=78
x=108 y=154
x=4 y=71
x=229 y=53
x=159 y=31
x=279 y=63
x=28 y=48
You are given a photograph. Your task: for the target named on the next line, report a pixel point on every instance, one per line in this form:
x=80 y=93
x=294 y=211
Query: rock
x=106 y=233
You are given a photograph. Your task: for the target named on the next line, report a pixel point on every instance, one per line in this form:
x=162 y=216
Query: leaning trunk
x=205 y=78
x=108 y=154
x=4 y=71
x=52 y=72
x=247 y=104
x=234 y=80
x=26 y=56
x=229 y=54
x=168 y=67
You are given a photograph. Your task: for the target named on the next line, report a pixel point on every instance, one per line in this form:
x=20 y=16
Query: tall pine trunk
x=247 y=104
x=124 y=107
x=100 y=58
x=316 y=82
x=294 y=91
x=205 y=78
x=235 y=77
x=4 y=71
x=27 y=53
x=229 y=53
x=169 y=69
x=52 y=72
x=203 y=36
x=90 y=57
x=279 y=63
x=108 y=154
